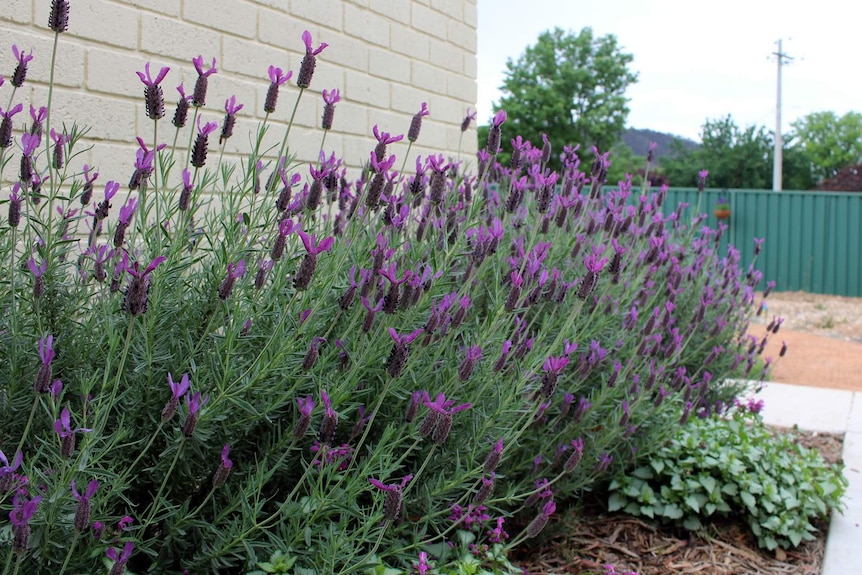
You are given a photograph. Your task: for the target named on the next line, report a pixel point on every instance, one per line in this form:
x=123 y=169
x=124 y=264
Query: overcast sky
x=697 y=59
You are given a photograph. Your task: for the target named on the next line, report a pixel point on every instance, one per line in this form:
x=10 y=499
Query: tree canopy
x=570 y=87
x=831 y=142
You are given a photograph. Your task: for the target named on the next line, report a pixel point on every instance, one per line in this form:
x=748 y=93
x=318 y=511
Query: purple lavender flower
x=186 y=192
x=329 y=101
x=468 y=364
x=38 y=272
x=309 y=262
x=194 y=403
x=46 y=354
x=494 y=457
x=15 y=206
x=234 y=272
x=277 y=77
x=604 y=462
x=416 y=123
x=58 y=19
x=20 y=73
x=137 y=294
x=22 y=512
x=182 y=110
x=6 y=125
x=701 y=179
x=230 y=108
x=330 y=420
x=552 y=367
x=199 y=95
x=313 y=351
x=224 y=469
x=393 y=501
x=399 y=352
x=87 y=188
x=594 y=266
x=82 y=511
x=120 y=559
x=486 y=489
x=154 y=99
x=439 y=421
x=538 y=523
x=199 y=151
x=383 y=140
x=309 y=61
x=306 y=406
x=178 y=390
x=495 y=133
x=60 y=139
x=126 y=213
x=63 y=428
x=7 y=471
x=469 y=117
x=575 y=457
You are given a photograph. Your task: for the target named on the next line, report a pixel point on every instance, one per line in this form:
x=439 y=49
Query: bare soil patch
x=589 y=539
x=816 y=314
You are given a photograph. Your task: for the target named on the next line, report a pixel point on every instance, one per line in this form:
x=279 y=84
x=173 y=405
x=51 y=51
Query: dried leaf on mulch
x=587 y=540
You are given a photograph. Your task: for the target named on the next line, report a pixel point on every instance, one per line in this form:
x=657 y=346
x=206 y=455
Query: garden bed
x=591 y=538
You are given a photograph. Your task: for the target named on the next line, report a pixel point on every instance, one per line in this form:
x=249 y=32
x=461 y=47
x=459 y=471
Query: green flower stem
x=131 y=468
x=123 y=356
x=9 y=561
x=29 y=423
x=69 y=554
x=404 y=161
x=47 y=135
x=281 y=149
x=322 y=142
x=157 y=500
x=155 y=184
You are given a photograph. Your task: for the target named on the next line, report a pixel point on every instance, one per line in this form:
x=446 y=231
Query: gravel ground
x=816 y=314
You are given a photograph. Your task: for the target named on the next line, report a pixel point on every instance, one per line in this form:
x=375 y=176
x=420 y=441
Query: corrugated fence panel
x=813 y=239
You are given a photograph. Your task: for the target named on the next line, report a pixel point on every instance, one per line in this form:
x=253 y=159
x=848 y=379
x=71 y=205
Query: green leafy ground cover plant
x=224 y=360
x=734 y=465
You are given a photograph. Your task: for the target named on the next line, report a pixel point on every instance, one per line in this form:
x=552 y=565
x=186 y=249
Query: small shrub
x=734 y=465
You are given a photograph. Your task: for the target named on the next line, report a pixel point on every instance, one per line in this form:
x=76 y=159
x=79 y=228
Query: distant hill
x=639 y=141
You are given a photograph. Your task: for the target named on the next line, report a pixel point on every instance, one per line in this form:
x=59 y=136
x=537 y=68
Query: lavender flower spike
x=82 y=512
x=199 y=151
x=230 y=108
x=306 y=406
x=552 y=367
x=276 y=78
x=126 y=213
x=495 y=133
x=178 y=390
x=137 y=294
x=309 y=61
x=224 y=469
x=7 y=471
x=182 y=110
x=20 y=73
x=329 y=101
x=6 y=125
x=393 y=502
x=154 y=98
x=194 y=404
x=20 y=516
x=234 y=272
x=63 y=428
x=58 y=19
x=330 y=420
x=399 y=352
x=469 y=117
x=309 y=262
x=120 y=559
x=38 y=272
x=199 y=95
x=46 y=354
x=416 y=123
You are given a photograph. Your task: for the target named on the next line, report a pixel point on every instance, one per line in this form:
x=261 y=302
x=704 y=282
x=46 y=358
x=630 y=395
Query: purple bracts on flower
x=182 y=111
x=234 y=272
x=393 y=501
x=15 y=200
x=154 y=99
x=20 y=73
x=313 y=352
x=416 y=123
x=495 y=133
x=199 y=151
x=701 y=179
x=7 y=470
x=399 y=352
x=178 y=390
x=194 y=403
x=230 y=108
x=309 y=61
x=120 y=559
x=494 y=457
x=199 y=96
x=383 y=140
x=137 y=294
x=276 y=78
x=63 y=428
x=224 y=469
x=6 y=125
x=309 y=262
x=329 y=101
x=330 y=420
x=20 y=516
x=306 y=407
x=575 y=457
x=468 y=118
x=46 y=354
x=58 y=19
x=468 y=364
x=485 y=490
x=82 y=511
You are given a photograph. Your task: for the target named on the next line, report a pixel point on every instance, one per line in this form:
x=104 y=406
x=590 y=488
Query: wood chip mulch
x=588 y=539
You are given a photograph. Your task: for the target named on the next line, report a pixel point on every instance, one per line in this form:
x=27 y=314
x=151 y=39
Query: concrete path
x=834 y=411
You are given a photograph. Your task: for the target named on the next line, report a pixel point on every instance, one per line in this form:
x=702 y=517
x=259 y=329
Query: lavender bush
x=216 y=363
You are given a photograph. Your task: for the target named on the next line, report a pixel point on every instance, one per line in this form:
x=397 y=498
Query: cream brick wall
x=385 y=56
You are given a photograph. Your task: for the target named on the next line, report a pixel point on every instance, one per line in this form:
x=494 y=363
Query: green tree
x=570 y=87
x=831 y=142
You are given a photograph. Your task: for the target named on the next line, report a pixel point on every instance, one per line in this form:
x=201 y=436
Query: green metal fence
x=813 y=239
